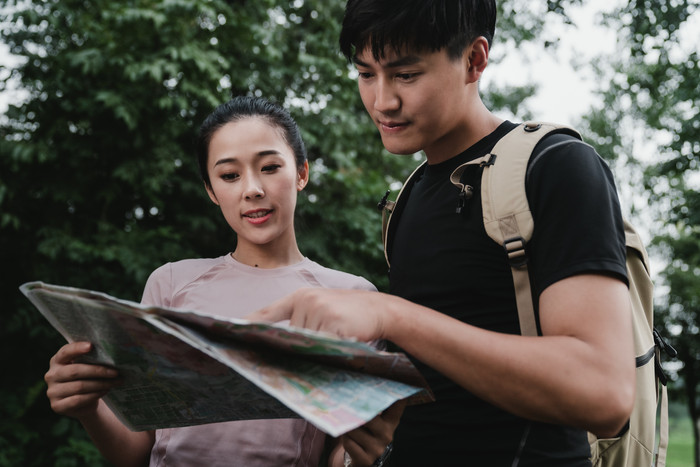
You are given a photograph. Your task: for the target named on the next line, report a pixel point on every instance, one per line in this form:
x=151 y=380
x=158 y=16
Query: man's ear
x=476 y=59
x=211 y=194
x=303 y=176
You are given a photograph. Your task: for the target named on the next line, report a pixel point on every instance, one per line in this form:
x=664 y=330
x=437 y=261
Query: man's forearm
x=560 y=379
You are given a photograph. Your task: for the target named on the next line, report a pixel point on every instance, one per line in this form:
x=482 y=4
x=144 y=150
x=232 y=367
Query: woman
x=253 y=163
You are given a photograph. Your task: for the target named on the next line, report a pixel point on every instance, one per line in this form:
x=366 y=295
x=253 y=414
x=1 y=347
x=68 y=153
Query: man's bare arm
x=579 y=373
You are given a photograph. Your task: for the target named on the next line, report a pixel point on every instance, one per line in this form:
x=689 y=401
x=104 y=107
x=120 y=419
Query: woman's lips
x=258 y=216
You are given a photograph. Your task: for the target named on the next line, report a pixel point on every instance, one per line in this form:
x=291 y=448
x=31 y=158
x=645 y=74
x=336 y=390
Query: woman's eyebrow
x=269 y=152
x=231 y=160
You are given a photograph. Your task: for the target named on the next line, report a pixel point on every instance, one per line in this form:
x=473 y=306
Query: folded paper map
x=184 y=367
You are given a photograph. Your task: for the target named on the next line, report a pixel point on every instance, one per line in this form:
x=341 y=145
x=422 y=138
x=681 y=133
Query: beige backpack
x=508 y=221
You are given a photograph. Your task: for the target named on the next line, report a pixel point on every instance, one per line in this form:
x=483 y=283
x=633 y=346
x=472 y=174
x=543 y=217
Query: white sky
x=6 y=61
x=565 y=91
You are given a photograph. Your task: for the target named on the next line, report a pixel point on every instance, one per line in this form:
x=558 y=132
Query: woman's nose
x=253 y=188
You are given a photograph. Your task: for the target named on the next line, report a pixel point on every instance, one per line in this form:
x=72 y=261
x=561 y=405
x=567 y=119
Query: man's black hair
x=418 y=25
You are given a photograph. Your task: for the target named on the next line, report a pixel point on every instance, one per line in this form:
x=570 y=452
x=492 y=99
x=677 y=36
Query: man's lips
x=391 y=126
x=257 y=216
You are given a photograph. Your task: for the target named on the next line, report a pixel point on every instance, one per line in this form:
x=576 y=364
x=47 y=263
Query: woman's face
x=255 y=180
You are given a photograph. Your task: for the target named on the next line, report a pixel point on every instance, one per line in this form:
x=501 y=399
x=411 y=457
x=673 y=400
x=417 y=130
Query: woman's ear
x=476 y=58
x=211 y=194
x=303 y=176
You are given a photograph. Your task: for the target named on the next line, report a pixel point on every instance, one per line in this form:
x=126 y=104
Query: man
x=501 y=398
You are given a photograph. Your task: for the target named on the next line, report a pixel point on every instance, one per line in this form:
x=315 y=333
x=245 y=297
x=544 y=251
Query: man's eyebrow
x=231 y=160
x=401 y=61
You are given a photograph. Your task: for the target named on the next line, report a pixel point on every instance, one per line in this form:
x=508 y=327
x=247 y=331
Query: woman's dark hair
x=418 y=25
x=242 y=107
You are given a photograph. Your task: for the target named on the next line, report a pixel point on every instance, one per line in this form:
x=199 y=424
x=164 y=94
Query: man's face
x=418 y=101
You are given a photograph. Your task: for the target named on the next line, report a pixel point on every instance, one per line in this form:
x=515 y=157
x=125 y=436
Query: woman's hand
x=74 y=389
x=366 y=444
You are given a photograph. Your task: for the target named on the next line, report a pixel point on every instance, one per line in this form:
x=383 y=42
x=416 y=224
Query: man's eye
x=271 y=167
x=406 y=76
x=364 y=75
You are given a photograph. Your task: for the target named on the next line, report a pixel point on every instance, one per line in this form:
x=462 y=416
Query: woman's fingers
x=74 y=389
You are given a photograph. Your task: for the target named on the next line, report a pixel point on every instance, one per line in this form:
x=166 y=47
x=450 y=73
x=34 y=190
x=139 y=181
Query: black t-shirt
x=447 y=262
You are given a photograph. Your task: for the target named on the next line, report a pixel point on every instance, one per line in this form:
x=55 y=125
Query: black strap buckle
x=382 y=203
x=664 y=345
x=491 y=161
x=515 y=250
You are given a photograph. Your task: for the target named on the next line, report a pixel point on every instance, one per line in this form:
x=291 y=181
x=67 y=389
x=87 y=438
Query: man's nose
x=386 y=99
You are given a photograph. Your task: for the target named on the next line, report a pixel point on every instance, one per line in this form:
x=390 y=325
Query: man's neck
x=478 y=124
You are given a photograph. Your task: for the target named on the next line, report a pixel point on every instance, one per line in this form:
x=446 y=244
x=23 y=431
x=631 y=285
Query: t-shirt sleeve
x=576 y=210
x=363 y=284
x=335 y=279
x=158 y=289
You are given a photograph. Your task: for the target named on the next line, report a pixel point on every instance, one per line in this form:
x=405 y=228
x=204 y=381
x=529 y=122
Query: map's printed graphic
x=184 y=367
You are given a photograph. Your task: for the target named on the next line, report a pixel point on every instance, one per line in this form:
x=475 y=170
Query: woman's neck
x=267 y=257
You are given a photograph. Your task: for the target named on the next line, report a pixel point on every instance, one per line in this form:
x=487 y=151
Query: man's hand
x=346 y=313
x=74 y=389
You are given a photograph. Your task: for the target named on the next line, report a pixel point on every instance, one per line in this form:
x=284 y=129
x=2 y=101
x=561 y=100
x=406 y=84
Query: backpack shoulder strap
x=387 y=208
x=506 y=211
x=504 y=202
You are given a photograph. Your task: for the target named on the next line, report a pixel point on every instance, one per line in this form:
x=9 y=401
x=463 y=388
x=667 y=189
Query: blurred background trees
x=98 y=183
x=649 y=122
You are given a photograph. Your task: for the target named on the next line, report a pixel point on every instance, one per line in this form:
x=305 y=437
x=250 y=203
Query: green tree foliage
x=652 y=103
x=98 y=185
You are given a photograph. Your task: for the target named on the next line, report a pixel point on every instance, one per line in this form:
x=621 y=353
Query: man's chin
x=399 y=149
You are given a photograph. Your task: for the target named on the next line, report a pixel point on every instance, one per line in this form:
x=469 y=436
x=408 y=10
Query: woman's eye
x=271 y=167
x=227 y=177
